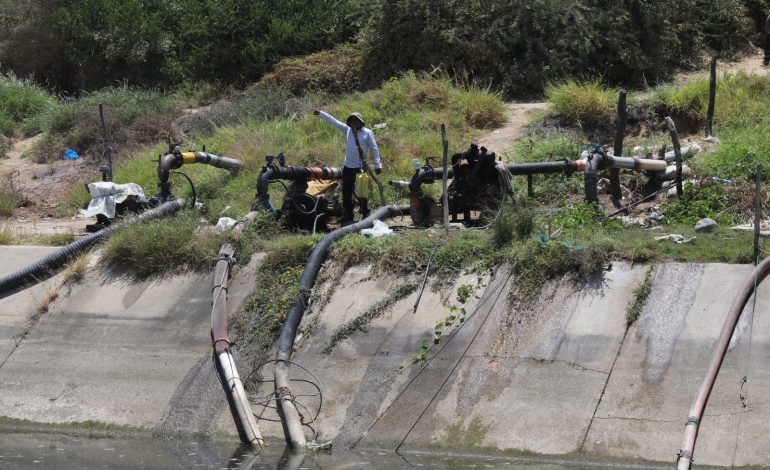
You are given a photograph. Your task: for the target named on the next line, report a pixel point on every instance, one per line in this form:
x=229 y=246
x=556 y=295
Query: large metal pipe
x=290 y=415
x=176 y=159
x=220 y=337
x=290 y=173
x=699 y=404
x=60 y=257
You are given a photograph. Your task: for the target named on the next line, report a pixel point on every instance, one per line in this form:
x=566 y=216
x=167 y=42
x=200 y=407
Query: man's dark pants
x=348 y=188
x=348 y=185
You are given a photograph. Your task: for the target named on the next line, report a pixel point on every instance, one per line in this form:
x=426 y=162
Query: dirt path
x=520 y=115
x=502 y=140
x=41 y=189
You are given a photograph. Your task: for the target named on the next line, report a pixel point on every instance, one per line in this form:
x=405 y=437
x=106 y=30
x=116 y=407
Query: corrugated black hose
x=313 y=266
x=60 y=257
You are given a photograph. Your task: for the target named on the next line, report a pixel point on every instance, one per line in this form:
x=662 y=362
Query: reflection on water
x=38 y=451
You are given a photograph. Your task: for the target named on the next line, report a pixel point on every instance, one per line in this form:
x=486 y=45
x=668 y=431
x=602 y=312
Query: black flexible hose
x=60 y=257
x=313 y=266
x=192 y=187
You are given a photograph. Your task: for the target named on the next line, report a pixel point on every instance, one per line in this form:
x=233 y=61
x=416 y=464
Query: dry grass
x=334 y=71
x=44 y=303
x=76 y=270
x=6 y=236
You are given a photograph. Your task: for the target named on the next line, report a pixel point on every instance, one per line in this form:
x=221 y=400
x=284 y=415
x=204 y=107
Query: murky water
x=39 y=451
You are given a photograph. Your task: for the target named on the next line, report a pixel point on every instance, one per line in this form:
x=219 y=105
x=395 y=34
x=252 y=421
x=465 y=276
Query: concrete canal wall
x=562 y=378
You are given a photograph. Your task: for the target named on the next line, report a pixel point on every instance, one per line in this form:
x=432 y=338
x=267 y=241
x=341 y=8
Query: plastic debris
x=105 y=194
x=225 y=223
x=675 y=237
x=721 y=180
x=70 y=154
x=379 y=229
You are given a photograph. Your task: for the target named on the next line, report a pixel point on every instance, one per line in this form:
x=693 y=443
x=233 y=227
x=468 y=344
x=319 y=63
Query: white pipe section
x=291 y=417
x=687 y=152
x=242 y=407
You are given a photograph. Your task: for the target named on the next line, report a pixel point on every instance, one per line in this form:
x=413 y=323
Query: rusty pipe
x=250 y=434
x=699 y=404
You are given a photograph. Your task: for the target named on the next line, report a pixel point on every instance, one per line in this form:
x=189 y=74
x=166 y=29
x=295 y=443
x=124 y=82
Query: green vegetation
x=277 y=287
x=231 y=41
x=134 y=117
x=270 y=121
x=89 y=428
x=157 y=246
x=589 y=101
x=376 y=310
x=519 y=45
x=641 y=292
x=466 y=437
x=9 y=200
x=21 y=100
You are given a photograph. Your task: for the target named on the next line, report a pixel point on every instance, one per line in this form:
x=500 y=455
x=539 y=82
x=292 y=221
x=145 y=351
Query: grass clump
x=162 y=246
x=133 y=117
x=641 y=292
x=582 y=101
x=75 y=270
x=6 y=236
x=43 y=304
x=21 y=100
x=536 y=262
x=9 y=200
x=538 y=147
x=512 y=224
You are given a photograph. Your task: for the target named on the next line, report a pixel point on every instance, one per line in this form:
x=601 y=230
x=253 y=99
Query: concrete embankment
x=112 y=350
x=562 y=377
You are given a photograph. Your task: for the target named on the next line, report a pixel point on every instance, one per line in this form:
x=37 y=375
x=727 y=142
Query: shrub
x=519 y=44
x=332 y=71
x=9 y=199
x=708 y=199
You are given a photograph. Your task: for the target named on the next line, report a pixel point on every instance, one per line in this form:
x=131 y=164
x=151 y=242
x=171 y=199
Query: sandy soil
x=41 y=188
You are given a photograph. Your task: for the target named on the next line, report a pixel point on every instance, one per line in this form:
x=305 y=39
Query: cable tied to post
x=744 y=393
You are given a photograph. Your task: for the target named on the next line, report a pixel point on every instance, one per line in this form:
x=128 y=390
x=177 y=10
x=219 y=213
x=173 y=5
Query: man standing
x=359 y=142
x=767 y=41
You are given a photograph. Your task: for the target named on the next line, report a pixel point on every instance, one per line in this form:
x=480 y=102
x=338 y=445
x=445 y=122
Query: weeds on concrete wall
x=257 y=323
x=641 y=293
x=376 y=310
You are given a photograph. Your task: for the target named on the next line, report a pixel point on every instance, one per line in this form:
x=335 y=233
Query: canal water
x=64 y=452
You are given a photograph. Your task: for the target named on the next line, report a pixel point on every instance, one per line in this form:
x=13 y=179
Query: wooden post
x=712 y=97
x=445 y=200
x=757 y=212
x=677 y=154
x=107 y=146
x=620 y=130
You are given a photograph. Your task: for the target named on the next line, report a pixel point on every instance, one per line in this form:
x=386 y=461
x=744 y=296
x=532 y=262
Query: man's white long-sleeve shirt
x=365 y=138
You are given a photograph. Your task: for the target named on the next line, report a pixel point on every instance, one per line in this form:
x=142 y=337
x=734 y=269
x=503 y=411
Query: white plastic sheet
x=105 y=194
x=379 y=229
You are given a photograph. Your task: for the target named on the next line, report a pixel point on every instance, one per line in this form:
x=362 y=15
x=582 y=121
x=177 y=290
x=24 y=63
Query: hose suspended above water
x=60 y=257
x=290 y=415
